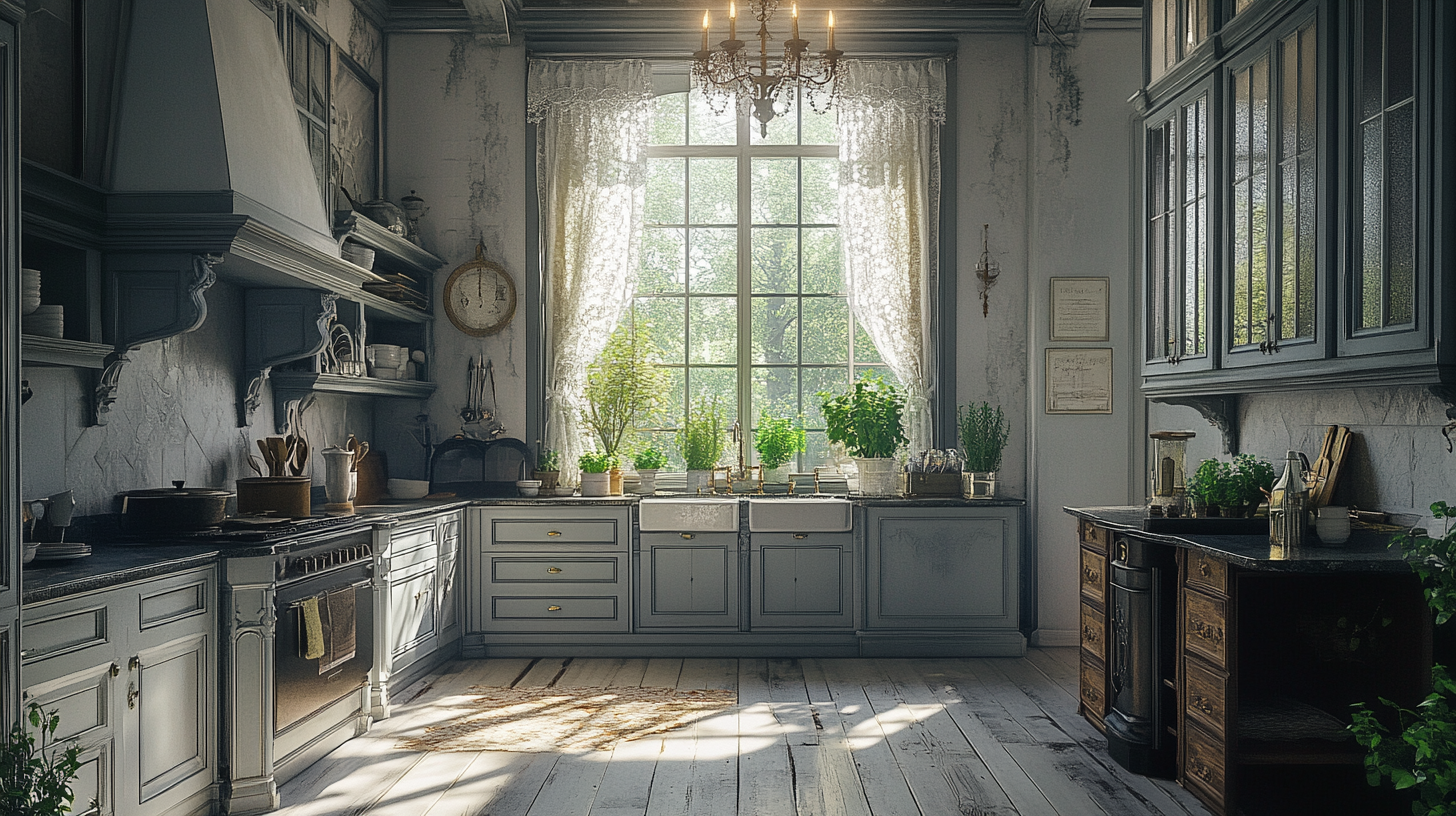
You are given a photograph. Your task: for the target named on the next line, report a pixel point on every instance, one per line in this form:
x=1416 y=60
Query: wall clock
x=480 y=296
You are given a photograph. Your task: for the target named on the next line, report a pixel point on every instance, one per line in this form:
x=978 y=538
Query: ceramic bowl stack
x=29 y=291
x=46 y=321
x=64 y=551
x=387 y=362
x=357 y=254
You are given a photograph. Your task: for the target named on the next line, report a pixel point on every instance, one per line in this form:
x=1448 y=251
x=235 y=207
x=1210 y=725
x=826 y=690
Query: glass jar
x=1168 y=475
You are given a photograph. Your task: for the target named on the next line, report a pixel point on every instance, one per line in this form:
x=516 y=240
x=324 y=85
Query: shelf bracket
x=1221 y=411
x=1446 y=392
x=283 y=325
x=154 y=297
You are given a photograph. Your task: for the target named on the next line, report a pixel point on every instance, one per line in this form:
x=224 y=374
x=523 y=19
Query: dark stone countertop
x=1366 y=551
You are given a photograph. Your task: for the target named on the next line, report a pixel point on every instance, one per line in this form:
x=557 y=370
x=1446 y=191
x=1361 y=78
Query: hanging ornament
x=987 y=271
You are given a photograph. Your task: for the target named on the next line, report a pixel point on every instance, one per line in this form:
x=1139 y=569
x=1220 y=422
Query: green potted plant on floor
x=984 y=433
x=777 y=440
x=595 y=472
x=701 y=441
x=623 y=387
x=35 y=777
x=648 y=461
x=867 y=419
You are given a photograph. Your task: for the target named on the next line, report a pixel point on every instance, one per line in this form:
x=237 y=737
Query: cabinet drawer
x=553 y=570
x=1093 y=685
x=1205 y=693
x=506 y=532
x=1097 y=538
x=1094 y=632
x=1204 y=627
x=1203 y=765
x=1094 y=576
x=408 y=540
x=1207 y=572
x=557 y=613
x=67 y=627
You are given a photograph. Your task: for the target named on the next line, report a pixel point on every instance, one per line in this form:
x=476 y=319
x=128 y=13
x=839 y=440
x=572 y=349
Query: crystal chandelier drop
x=769 y=83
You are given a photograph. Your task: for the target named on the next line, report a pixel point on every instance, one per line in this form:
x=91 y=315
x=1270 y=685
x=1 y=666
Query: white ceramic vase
x=649 y=482
x=595 y=484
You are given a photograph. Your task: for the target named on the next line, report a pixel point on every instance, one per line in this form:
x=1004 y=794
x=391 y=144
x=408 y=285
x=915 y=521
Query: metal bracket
x=1221 y=411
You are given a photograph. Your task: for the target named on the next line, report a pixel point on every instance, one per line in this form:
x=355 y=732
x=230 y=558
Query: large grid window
x=741 y=280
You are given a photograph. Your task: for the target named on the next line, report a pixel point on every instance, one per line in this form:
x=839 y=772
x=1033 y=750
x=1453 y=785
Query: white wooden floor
x=851 y=737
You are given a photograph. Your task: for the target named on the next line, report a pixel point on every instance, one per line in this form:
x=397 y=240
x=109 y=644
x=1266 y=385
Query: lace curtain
x=890 y=114
x=591 y=168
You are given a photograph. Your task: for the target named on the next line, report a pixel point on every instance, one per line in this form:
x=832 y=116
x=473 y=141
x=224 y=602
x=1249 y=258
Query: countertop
x=1366 y=551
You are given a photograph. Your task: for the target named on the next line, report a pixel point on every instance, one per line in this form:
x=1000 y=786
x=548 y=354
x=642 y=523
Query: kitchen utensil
x=1332 y=524
x=51 y=516
x=1327 y=467
x=278 y=495
x=256 y=465
x=359 y=449
x=381 y=211
x=173 y=508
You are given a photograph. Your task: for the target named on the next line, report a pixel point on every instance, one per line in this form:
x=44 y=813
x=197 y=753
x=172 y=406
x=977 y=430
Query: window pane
x=708 y=128
x=713 y=191
x=821 y=191
x=775 y=391
x=1372 y=57
x=865 y=350
x=707 y=383
x=48 y=85
x=775 y=191
x=665 y=316
x=1400 y=51
x=713 y=330
x=665 y=200
x=1289 y=250
x=669 y=120
x=1242 y=237
x=816 y=453
x=818 y=128
x=826 y=330
x=663 y=258
x=817 y=381
x=713 y=260
x=776 y=330
x=1308 y=74
x=1242 y=112
x=1306 y=246
x=1372 y=176
x=1159 y=41
x=822 y=270
x=1399 y=213
x=775 y=260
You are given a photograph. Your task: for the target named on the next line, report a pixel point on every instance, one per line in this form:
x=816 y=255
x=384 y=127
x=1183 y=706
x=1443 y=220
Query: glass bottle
x=1289 y=503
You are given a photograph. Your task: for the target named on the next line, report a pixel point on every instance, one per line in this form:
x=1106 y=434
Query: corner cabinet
x=1297 y=180
x=942 y=580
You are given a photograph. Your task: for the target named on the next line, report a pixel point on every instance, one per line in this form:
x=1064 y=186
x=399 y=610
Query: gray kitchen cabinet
x=943 y=580
x=447 y=624
x=131 y=673
x=549 y=569
x=688 y=580
x=802 y=580
x=418 y=614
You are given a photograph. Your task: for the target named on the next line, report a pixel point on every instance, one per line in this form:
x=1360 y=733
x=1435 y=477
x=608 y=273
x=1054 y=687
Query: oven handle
x=356 y=585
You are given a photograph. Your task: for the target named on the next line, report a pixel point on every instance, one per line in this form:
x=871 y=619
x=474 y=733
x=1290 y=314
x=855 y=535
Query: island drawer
x=1207 y=573
x=1093 y=687
x=1094 y=576
x=1205 y=694
x=557 y=612
x=1205 y=627
x=1097 y=538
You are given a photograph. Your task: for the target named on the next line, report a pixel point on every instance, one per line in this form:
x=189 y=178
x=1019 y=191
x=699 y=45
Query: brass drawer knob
x=553 y=608
x=1202 y=704
x=687 y=536
x=1204 y=570
x=553 y=533
x=554 y=570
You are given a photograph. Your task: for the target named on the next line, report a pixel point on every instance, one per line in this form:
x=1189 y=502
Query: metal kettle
x=1289 y=502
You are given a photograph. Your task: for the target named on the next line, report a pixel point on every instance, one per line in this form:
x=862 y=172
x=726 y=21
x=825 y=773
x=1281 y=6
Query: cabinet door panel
x=172 y=727
x=689 y=585
x=94 y=780
x=802 y=586
x=412 y=611
x=942 y=569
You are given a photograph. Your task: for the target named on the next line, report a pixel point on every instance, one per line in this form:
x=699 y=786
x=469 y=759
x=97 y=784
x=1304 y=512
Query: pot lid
x=177 y=489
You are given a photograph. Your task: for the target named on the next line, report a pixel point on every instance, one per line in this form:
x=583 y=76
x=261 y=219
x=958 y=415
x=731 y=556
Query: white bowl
x=529 y=488
x=408 y=488
x=31 y=547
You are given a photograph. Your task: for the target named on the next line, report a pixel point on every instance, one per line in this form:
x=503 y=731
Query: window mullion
x=745 y=278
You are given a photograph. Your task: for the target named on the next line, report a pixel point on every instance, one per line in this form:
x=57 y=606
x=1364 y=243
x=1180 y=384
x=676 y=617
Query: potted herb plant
x=35 y=779
x=1200 y=486
x=595 y=475
x=548 y=470
x=648 y=461
x=1256 y=477
x=623 y=385
x=777 y=440
x=701 y=440
x=867 y=420
x=984 y=433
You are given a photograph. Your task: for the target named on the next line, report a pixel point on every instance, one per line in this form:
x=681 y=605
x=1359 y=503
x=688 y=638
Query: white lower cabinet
x=689 y=580
x=802 y=580
x=131 y=671
x=416 y=601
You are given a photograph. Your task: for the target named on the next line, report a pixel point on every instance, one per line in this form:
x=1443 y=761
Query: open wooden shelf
x=55 y=351
x=357 y=386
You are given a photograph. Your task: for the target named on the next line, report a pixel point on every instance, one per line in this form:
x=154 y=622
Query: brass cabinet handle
x=688 y=536
x=1202 y=704
x=131 y=695
x=135 y=663
x=553 y=533
x=801 y=536
x=1203 y=569
x=554 y=570
x=115 y=670
x=553 y=608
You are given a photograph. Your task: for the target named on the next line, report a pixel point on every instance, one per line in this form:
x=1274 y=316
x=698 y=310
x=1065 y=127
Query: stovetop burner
x=243 y=530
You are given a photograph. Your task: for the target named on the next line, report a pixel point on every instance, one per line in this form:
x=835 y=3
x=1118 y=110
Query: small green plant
x=701 y=437
x=649 y=459
x=984 y=432
x=1421 y=755
x=35 y=779
x=1201 y=484
x=1255 y=476
x=866 y=418
x=778 y=439
x=549 y=460
x=596 y=461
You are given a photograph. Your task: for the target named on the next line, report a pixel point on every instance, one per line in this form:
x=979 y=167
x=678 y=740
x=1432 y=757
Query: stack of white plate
x=46 y=321
x=62 y=552
x=29 y=290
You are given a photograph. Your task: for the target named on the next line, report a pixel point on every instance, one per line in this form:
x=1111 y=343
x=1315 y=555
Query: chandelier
x=770 y=82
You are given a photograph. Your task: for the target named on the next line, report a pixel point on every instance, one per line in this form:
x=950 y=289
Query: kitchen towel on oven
x=342 y=643
x=311 y=626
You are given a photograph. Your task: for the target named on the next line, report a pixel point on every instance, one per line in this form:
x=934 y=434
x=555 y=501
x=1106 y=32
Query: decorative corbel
x=1221 y=411
x=1446 y=392
x=1058 y=21
x=283 y=325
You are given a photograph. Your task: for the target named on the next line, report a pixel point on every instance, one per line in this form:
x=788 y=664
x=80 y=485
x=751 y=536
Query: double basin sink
x=720 y=514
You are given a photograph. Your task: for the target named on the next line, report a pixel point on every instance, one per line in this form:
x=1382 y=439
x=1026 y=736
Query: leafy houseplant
x=624 y=384
x=777 y=440
x=648 y=461
x=1256 y=477
x=984 y=432
x=701 y=439
x=1421 y=756
x=35 y=779
x=595 y=480
x=548 y=470
x=1201 y=483
x=867 y=420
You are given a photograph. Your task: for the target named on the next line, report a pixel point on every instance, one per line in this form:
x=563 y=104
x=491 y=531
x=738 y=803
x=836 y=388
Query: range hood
x=209 y=157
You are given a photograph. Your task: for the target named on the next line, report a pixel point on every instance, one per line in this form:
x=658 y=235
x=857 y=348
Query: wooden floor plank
x=845 y=792
x=629 y=780
x=662 y=672
x=590 y=672
x=709 y=673
x=522 y=788
x=481 y=783
x=572 y=785
x=545 y=673
x=765 y=781
x=424 y=785
x=629 y=674
x=1054 y=669
x=881 y=777
x=356 y=775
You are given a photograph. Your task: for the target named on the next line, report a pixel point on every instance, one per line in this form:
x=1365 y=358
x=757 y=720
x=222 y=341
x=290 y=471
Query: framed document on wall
x=1079 y=381
x=1079 y=310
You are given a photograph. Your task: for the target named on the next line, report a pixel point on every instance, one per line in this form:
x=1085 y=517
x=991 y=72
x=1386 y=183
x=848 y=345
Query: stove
x=239 y=530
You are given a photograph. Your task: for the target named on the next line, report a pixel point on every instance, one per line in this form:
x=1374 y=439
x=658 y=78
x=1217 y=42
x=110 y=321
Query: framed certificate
x=1079 y=381
x=1079 y=310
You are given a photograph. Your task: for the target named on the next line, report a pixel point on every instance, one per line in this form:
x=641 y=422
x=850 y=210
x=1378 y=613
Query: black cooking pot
x=173 y=508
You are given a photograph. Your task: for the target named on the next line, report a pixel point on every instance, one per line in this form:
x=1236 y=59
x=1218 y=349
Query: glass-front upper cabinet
x=1177 y=236
x=1175 y=28
x=1274 y=235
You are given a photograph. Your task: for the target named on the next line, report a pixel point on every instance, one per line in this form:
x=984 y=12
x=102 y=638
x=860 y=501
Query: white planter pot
x=698 y=479
x=649 y=482
x=595 y=484
x=878 y=477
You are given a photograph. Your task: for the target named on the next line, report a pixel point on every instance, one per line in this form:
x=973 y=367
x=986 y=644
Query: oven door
x=301 y=689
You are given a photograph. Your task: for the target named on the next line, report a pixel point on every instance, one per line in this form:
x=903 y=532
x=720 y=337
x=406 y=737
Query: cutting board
x=373 y=478
x=1326 y=468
